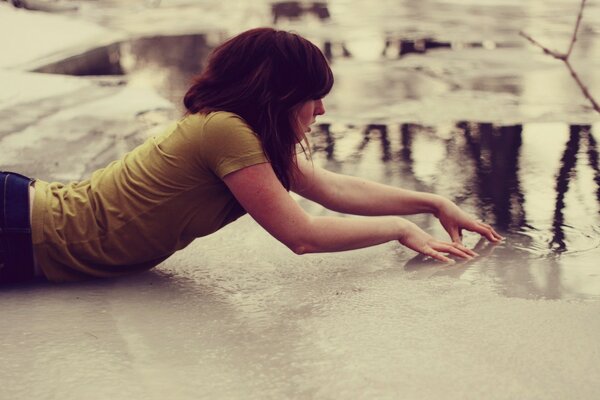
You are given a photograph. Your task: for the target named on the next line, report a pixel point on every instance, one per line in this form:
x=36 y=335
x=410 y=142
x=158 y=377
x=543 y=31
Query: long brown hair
x=262 y=75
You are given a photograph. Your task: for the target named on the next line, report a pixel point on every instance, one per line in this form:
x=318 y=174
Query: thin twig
x=552 y=53
x=564 y=57
x=574 y=37
x=583 y=88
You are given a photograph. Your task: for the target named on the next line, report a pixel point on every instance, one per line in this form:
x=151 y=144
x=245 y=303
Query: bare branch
x=574 y=37
x=564 y=57
x=583 y=88
x=546 y=50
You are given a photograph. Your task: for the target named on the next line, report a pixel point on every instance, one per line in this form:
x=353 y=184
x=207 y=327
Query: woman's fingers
x=470 y=252
x=454 y=249
x=455 y=234
x=484 y=230
x=487 y=231
x=418 y=240
x=428 y=251
x=453 y=219
x=436 y=250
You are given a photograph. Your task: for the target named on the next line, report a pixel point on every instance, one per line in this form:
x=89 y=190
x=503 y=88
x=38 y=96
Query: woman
x=236 y=150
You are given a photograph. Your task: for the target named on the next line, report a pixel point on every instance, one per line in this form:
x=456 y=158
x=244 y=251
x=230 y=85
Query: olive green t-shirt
x=136 y=212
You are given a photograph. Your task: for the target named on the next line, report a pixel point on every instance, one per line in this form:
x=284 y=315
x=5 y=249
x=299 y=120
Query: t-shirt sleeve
x=229 y=144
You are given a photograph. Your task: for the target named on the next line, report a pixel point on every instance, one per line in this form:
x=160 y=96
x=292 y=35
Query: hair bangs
x=320 y=77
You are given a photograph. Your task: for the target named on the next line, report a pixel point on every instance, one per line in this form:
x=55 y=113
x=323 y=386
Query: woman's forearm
x=353 y=195
x=329 y=234
x=325 y=234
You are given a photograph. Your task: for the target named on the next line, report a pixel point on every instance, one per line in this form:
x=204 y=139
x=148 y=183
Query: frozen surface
x=236 y=315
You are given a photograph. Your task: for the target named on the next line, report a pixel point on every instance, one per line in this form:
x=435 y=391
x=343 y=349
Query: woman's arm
x=353 y=195
x=264 y=198
x=359 y=196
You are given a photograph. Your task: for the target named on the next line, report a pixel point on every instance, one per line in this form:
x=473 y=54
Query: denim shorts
x=16 y=249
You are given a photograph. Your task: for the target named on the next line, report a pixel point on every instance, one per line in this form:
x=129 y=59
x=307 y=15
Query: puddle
x=542 y=192
x=295 y=10
x=165 y=63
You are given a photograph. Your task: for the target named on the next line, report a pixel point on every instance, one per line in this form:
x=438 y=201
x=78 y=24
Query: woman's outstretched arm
x=359 y=196
x=264 y=198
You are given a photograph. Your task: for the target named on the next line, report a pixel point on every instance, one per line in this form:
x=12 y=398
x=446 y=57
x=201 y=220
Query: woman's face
x=307 y=112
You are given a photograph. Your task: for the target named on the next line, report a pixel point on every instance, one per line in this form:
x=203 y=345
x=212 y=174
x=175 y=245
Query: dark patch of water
x=104 y=60
x=165 y=63
x=540 y=190
x=483 y=163
x=295 y=10
x=394 y=47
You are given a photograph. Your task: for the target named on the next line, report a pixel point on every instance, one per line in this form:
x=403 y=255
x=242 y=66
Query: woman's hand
x=420 y=241
x=454 y=220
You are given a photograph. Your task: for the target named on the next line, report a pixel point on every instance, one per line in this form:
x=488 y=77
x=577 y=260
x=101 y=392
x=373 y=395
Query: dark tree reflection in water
x=495 y=151
x=593 y=162
x=295 y=10
x=481 y=163
x=566 y=172
x=579 y=135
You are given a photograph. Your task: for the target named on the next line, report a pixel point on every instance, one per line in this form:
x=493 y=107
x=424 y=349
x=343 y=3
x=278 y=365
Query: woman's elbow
x=300 y=248
x=302 y=239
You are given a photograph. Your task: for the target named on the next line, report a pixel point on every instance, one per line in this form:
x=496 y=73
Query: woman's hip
x=16 y=250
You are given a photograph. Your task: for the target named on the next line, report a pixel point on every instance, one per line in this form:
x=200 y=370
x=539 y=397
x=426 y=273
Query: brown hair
x=262 y=75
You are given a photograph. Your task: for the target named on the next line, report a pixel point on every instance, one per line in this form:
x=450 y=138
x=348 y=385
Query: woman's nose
x=319 y=107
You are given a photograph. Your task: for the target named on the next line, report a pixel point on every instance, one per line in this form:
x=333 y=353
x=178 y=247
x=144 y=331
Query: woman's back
x=140 y=209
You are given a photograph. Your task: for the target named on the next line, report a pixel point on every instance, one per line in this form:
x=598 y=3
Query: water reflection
x=295 y=10
x=165 y=63
x=568 y=161
x=398 y=47
x=103 y=60
x=393 y=45
x=333 y=50
x=495 y=152
x=483 y=167
x=578 y=135
x=593 y=160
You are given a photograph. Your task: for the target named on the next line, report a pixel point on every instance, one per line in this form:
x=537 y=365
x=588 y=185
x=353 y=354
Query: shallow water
x=536 y=183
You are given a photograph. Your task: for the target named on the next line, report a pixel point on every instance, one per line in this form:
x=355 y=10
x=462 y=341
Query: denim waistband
x=16 y=249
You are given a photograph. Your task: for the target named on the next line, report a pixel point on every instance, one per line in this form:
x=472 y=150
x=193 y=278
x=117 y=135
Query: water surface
x=537 y=183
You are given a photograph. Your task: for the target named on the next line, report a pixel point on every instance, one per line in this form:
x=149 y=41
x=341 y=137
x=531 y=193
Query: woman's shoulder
x=215 y=120
x=211 y=116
